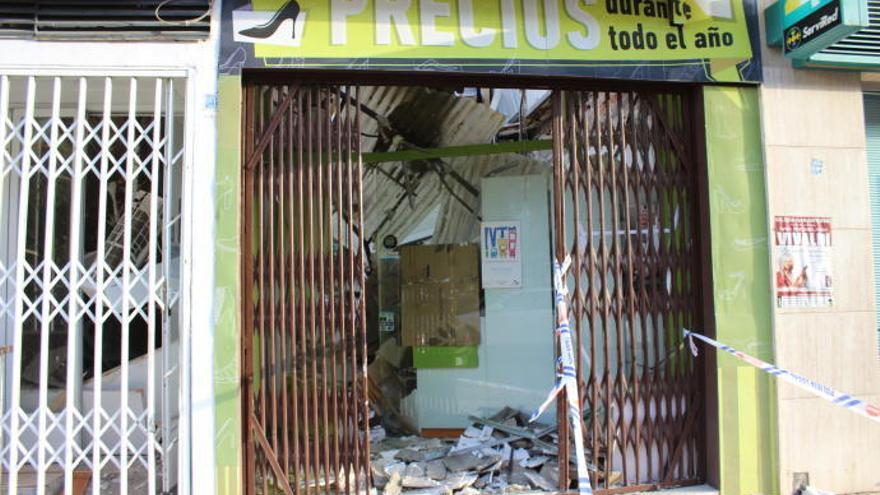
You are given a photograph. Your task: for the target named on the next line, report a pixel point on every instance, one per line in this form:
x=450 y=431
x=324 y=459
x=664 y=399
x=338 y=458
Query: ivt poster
x=501 y=255
x=802 y=250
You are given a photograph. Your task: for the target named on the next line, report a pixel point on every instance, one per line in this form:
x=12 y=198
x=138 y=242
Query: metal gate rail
x=304 y=339
x=624 y=184
x=91 y=172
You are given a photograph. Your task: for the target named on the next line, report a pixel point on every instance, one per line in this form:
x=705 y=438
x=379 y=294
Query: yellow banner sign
x=540 y=32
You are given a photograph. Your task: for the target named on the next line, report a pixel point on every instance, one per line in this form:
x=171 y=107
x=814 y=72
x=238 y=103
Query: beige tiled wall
x=818 y=115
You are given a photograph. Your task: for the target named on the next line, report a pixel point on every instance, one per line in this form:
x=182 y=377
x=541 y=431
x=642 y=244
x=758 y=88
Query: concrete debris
x=395 y=467
x=436 y=470
x=504 y=414
x=499 y=484
x=484 y=480
x=419 y=482
x=534 y=462
x=415 y=470
x=468 y=462
x=435 y=454
x=519 y=478
x=439 y=490
x=615 y=477
x=540 y=482
x=520 y=432
x=499 y=454
x=467 y=443
x=493 y=463
x=461 y=481
x=505 y=452
x=410 y=455
x=473 y=438
x=388 y=454
x=384 y=467
x=380 y=481
x=377 y=434
x=394 y=485
x=550 y=471
x=484 y=433
x=520 y=455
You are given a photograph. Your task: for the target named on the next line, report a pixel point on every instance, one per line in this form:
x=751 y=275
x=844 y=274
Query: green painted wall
x=742 y=292
x=227 y=290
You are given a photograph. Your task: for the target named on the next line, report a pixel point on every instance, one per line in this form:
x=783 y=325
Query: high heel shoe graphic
x=290 y=10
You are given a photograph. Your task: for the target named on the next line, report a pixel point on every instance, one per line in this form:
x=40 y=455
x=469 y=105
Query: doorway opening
x=398 y=253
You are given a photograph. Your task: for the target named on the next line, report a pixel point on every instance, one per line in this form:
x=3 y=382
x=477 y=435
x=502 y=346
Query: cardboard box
x=440 y=295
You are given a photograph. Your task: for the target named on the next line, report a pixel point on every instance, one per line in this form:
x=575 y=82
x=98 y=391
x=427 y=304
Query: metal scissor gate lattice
x=624 y=212
x=625 y=196
x=90 y=199
x=304 y=367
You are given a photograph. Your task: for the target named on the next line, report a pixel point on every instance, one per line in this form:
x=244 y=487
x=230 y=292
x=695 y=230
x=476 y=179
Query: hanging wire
x=185 y=22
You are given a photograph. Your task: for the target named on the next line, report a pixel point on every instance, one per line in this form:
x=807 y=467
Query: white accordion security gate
x=90 y=275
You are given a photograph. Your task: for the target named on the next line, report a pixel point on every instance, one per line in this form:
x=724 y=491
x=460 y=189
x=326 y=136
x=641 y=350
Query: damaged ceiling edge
x=400 y=195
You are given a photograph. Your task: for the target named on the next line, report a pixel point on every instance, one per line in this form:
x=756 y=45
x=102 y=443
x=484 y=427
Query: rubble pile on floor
x=499 y=454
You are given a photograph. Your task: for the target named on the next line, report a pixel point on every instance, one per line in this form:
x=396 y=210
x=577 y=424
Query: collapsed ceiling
x=399 y=196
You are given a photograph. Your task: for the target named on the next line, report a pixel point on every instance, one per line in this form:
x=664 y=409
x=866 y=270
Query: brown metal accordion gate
x=625 y=213
x=304 y=386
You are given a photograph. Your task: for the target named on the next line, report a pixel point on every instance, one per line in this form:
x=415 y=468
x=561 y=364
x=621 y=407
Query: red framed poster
x=802 y=262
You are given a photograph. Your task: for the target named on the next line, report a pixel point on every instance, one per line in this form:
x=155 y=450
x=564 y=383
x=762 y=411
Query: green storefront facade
x=740 y=400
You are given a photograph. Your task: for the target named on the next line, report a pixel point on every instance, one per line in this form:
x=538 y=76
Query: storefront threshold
x=690 y=490
x=679 y=490
x=684 y=490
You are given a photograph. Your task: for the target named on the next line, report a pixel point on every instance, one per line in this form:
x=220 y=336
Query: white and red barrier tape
x=568 y=376
x=838 y=398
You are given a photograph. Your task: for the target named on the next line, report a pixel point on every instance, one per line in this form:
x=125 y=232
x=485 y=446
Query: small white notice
x=501 y=254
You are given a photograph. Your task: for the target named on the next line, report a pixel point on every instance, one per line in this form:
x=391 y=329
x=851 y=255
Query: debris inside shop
x=434 y=322
x=499 y=454
x=452 y=314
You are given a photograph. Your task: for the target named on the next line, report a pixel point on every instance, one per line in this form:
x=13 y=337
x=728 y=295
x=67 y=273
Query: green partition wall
x=741 y=290
x=227 y=290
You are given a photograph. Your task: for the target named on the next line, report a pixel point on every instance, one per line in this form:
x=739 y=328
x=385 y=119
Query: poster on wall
x=501 y=255
x=802 y=253
x=666 y=40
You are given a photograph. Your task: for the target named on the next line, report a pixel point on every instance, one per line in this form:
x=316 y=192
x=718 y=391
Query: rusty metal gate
x=625 y=182
x=624 y=212
x=304 y=345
